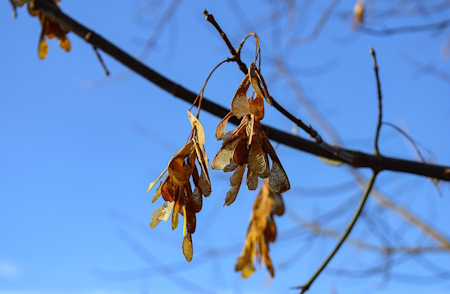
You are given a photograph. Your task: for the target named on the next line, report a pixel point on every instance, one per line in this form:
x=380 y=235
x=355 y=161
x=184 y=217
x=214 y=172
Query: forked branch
x=359 y=159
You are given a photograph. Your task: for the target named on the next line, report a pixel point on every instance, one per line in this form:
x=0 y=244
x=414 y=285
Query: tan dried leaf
x=225 y=154
x=358 y=11
x=278 y=207
x=271 y=230
x=196 y=201
x=198 y=127
x=193 y=199
x=236 y=177
x=158 y=193
x=266 y=172
x=155 y=181
x=204 y=184
x=43 y=48
x=220 y=131
x=201 y=160
x=240 y=105
x=248 y=270
x=245 y=256
x=230 y=167
x=245 y=261
x=162 y=213
x=252 y=180
x=231 y=195
x=268 y=263
x=240 y=155
x=64 y=43
x=168 y=190
x=178 y=172
x=249 y=130
x=257 y=80
x=176 y=210
x=256 y=161
x=235 y=181
x=191 y=221
x=257 y=107
x=195 y=176
x=205 y=157
x=188 y=250
x=278 y=179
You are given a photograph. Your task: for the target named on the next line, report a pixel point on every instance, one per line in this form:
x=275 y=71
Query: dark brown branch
x=234 y=56
x=341 y=154
x=360 y=159
x=380 y=108
x=100 y=59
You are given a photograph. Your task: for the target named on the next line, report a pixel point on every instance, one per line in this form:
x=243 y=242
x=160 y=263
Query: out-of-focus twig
x=349 y=228
x=320 y=24
x=317 y=229
x=427 y=68
x=436 y=26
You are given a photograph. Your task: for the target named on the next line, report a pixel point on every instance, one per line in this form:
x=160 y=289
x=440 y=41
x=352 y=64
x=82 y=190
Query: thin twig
x=235 y=56
x=440 y=25
x=105 y=69
x=320 y=24
x=380 y=108
x=427 y=68
x=315 y=228
x=159 y=28
x=349 y=228
x=408 y=138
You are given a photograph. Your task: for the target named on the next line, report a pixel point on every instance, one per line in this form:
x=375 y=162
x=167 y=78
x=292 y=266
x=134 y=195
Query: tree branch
x=360 y=159
x=440 y=25
x=380 y=108
x=349 y=228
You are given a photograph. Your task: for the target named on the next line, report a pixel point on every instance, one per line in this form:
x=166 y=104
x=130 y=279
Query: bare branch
x=100 y=59
x=349 y=228
x=437 y=26
x=320 y=24
x=380 y=108
x=360 y=159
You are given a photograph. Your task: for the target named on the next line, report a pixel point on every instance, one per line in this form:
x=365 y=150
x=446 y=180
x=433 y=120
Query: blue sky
x=78 y=150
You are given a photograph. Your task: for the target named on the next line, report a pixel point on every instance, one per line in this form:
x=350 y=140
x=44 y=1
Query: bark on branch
x=360 y=159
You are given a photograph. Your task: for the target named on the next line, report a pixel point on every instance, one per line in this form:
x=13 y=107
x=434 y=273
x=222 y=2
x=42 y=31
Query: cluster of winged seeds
x=176 y=189
x=261 y=231
x=50 y=29
x=248 y=145
x=245 y=146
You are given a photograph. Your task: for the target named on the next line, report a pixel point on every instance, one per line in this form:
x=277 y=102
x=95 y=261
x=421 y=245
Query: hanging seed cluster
x=244 y=148
x=176 y=188
x=248 y=145
x=50 y=29
x=261 y=231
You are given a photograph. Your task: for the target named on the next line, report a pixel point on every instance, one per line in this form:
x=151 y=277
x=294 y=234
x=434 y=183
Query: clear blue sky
x=78 y=150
